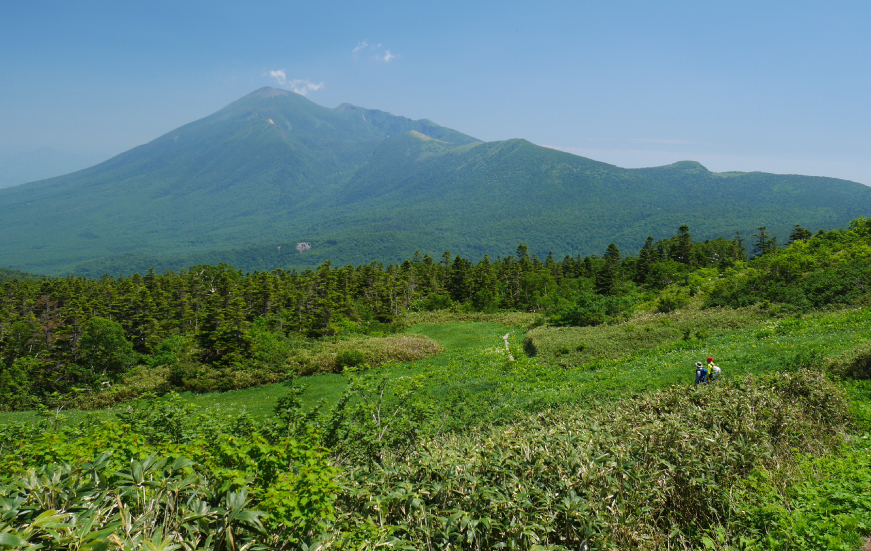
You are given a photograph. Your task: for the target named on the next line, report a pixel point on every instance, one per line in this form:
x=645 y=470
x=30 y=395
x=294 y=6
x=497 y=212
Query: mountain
x=237 y=177
x=274 y=169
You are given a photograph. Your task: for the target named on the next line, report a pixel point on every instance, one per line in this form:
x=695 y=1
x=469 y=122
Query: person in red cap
x=713 y=370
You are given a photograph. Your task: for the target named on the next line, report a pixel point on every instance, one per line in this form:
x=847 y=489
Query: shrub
x=15 y=384
x=670 y=303
x=805 y=359
x=529 y=347
x=137 y=382
x=349 y=358
x=375 y=351
x=432 y=303
x=511 y=319
x=104 y=349
x=853 y=365
x=653 y=472
x=591 y=309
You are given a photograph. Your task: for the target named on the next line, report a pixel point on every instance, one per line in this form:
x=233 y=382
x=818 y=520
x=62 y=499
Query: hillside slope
x=274 y=169
x=485 y=198
x=231 y=179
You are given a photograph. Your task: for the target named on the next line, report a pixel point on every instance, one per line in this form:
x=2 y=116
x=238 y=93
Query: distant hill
x=274 y=169
x=8 y=275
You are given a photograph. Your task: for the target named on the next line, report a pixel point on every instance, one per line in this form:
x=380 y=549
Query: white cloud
x=384 y=56
x=300 y=86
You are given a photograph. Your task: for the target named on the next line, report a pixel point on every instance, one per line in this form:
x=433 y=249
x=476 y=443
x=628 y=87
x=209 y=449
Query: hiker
x=713 y=370
x=701 y=373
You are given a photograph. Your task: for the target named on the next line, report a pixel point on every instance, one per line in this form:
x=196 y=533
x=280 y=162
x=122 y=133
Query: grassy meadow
x=591 y=438
x=574 y=365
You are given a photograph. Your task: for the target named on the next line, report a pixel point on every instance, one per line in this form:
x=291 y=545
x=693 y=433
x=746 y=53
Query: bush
x=375 y=351
x=349 y=358
x=670 y=303
x=104 y=349
x=511 y=319
x=806 y=359
x=432 y=303
x=15 y=384
x=529 y=347
x=137 y=382
x=653 y=472
x=853 y=365
x=591 y=309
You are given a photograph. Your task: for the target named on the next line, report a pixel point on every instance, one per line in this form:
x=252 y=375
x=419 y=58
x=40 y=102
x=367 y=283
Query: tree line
x=57 y=334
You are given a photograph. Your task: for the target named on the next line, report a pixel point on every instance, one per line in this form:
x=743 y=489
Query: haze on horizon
x=777 y=88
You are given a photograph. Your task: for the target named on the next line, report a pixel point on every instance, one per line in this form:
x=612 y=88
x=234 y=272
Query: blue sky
x=780 y=87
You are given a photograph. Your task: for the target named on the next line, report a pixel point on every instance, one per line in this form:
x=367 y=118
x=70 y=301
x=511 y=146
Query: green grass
x=649 y=352
x=460 y=336
x=805 y=501
x=457 y=338
x=742 y=342
x=259 y=401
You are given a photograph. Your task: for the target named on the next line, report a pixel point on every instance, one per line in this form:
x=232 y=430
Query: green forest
x=516 y=402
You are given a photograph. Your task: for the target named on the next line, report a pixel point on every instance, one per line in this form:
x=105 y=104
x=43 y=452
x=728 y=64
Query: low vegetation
x=420 y=430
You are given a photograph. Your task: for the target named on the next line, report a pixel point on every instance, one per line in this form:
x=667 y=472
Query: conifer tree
x=607 y=278
x=799 y=233
x=764 y=243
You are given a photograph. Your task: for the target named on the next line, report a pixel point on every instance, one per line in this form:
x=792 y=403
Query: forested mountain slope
x=10 y=275
x=237 y=177
x=249 y=182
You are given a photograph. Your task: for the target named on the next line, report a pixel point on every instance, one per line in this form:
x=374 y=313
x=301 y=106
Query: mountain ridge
x=274 y=168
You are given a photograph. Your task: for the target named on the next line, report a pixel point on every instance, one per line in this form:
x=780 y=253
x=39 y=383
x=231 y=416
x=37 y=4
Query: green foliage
x=820 y=503
x=105 y=350
x=215 y=328
x=597 y=442
x=629 y=477
x=15 y=393
x=669 y=303
x=170 y=475
x=153 y=504
x=481 y=450
x=433 y=303
x=376 y=414
x=856 y=364
x=592 y=309
x=9 y=275
x=349 y=358
x=830 y=268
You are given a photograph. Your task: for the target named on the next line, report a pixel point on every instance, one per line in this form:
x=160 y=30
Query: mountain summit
x=274 y=168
